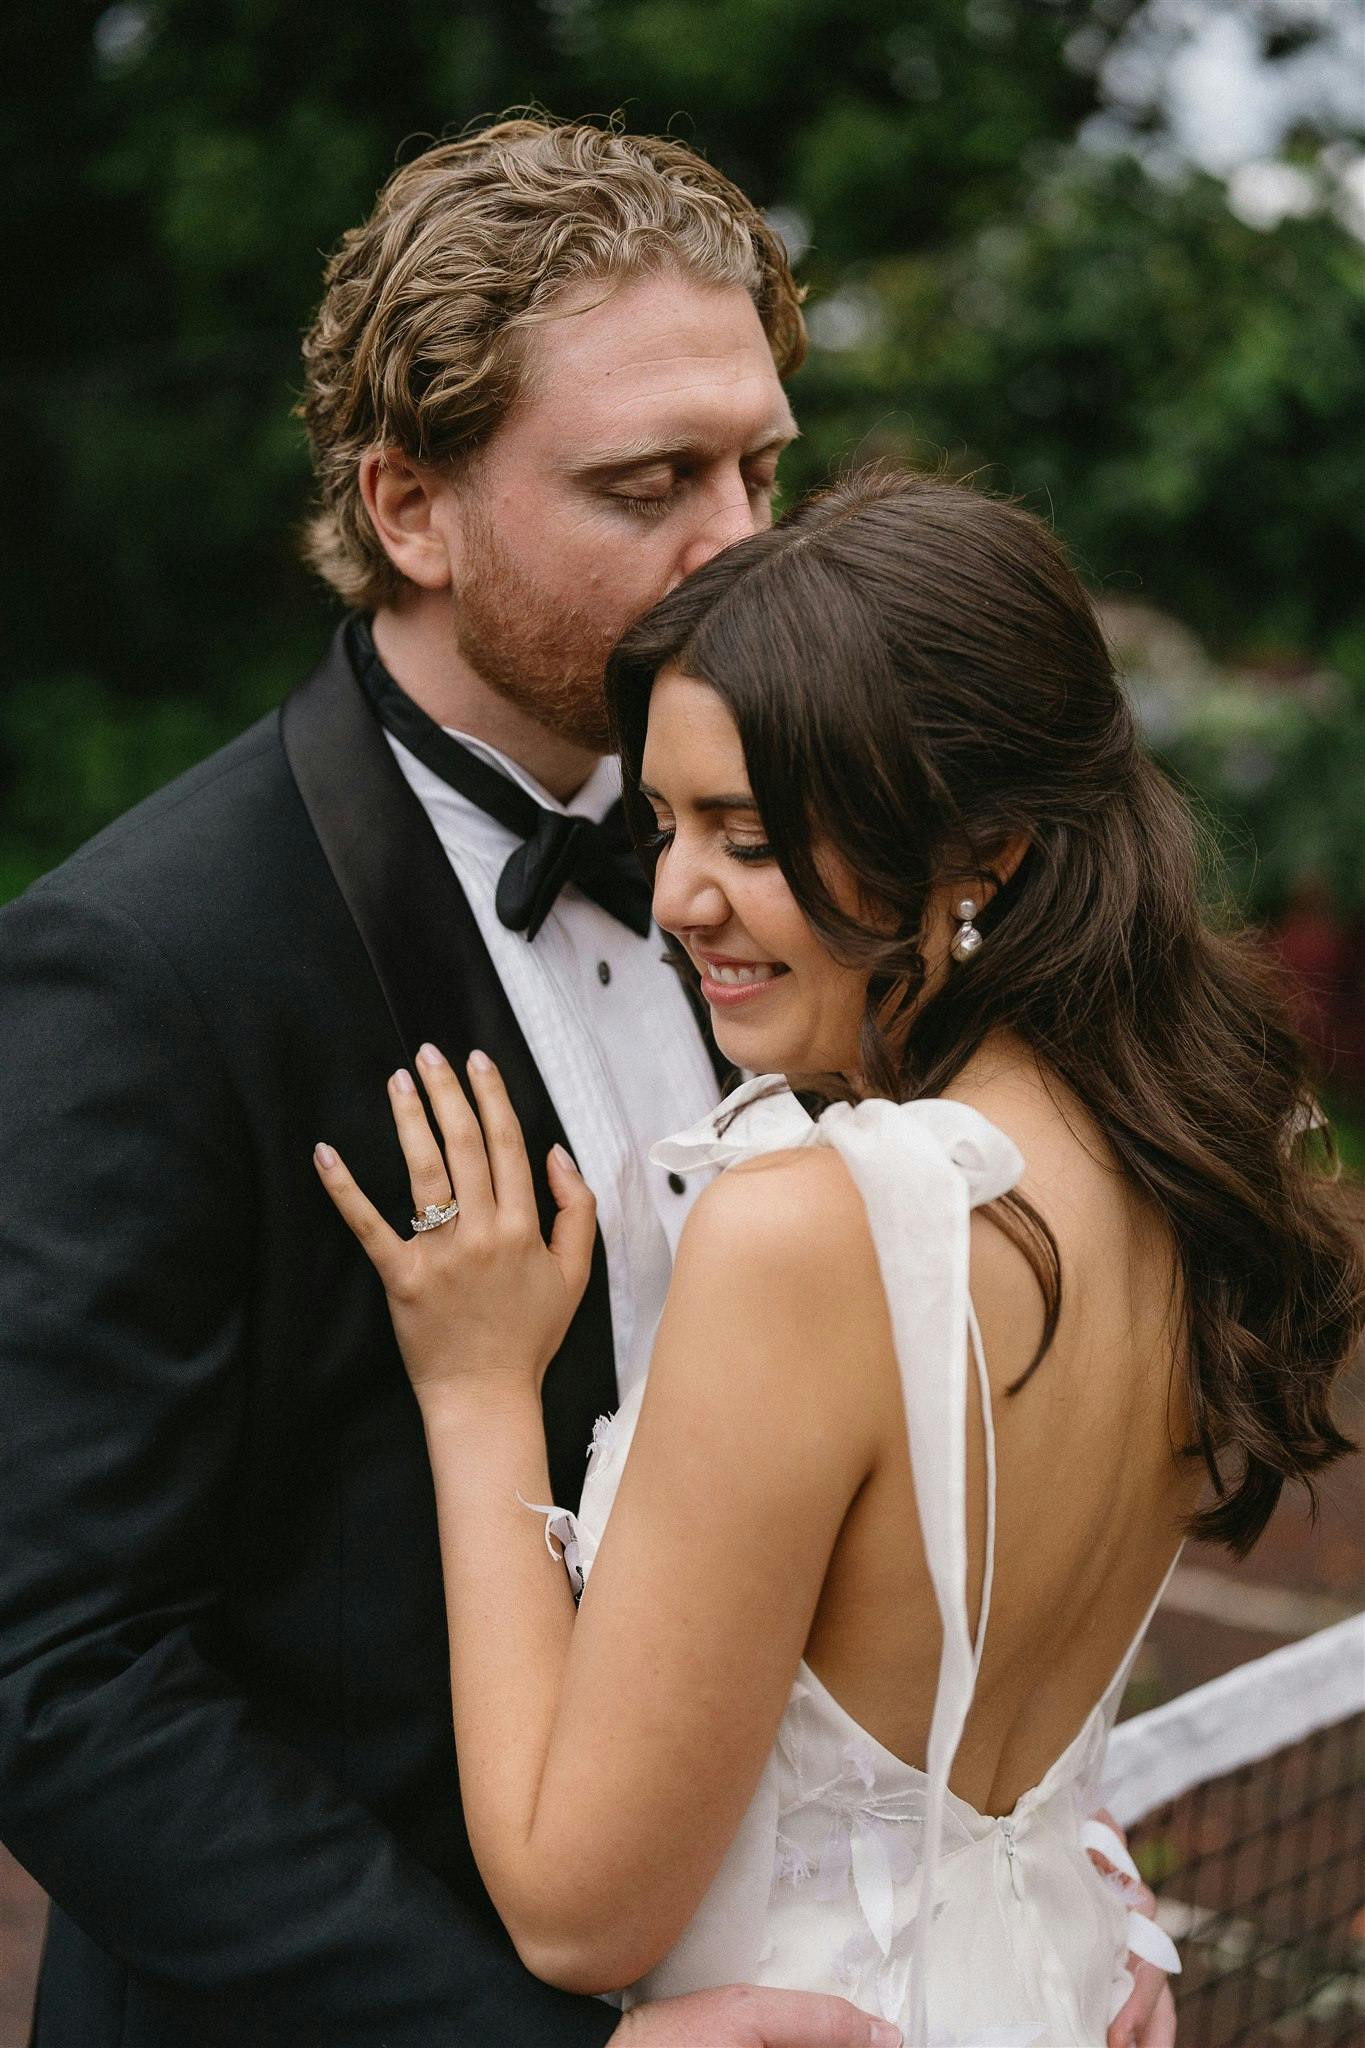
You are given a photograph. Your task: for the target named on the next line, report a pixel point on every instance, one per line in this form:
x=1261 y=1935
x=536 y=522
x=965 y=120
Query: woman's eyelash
x=657 y=841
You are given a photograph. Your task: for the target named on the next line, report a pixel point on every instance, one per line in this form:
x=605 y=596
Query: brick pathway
x=21 y=1921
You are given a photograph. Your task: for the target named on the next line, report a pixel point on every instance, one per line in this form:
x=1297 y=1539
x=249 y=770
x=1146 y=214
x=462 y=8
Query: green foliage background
x=1182 y=391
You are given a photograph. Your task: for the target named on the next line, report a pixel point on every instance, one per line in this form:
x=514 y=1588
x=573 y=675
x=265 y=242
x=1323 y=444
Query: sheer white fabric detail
x=852 y=1871
x=561 y=1526
x=1145 y=1938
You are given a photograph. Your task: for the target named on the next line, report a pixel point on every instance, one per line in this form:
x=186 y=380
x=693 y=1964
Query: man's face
x=646 y=440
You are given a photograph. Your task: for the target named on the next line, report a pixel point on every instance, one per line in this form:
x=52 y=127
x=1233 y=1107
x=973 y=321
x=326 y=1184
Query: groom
x=544 y=385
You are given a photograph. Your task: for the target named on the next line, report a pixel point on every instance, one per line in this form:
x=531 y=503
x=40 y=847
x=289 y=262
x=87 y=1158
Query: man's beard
x=542 y=655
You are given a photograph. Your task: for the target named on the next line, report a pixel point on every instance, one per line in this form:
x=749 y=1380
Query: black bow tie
x=555 y=849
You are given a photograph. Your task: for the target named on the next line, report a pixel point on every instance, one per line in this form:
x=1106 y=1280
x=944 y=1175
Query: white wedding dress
x=853 y=1872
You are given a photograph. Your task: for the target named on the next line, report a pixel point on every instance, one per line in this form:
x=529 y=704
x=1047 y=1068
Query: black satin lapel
x=438 y=981
x=406 y=904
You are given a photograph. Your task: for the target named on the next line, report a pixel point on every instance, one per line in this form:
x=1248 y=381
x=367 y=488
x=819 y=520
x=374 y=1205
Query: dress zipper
x=1007 y=1830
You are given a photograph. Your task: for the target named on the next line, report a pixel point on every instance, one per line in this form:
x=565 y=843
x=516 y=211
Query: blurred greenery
x=1096 y=330
x=1183 y=390
x=1284 y=770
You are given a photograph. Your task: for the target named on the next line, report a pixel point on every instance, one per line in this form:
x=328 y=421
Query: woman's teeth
x=741 y=974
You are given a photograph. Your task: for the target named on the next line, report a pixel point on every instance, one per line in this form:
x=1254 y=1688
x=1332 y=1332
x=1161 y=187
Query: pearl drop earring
x=966 y=940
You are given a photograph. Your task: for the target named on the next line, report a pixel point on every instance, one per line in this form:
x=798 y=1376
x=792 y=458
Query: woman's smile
x=726 y=981
x=789 y=1007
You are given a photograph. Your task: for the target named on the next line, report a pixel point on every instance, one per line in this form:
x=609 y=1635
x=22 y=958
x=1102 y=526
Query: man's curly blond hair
x=419 y=342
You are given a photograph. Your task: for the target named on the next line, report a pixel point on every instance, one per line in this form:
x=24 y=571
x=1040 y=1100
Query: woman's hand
x=481 y=1299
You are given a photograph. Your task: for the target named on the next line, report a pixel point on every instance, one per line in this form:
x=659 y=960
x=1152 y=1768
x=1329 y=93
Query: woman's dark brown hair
x=917 y=677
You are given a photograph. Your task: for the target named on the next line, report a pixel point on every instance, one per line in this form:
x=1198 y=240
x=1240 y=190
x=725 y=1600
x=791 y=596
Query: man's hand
x=1147 y=2017
x=742 y=2016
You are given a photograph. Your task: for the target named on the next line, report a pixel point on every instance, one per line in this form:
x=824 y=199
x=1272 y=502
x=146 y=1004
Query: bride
x=1019 y=1268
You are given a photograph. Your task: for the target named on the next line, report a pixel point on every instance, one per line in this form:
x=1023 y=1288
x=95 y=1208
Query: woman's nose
x=687 y=894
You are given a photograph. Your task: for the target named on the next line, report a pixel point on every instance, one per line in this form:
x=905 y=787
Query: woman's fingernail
x=481 y=1063
x=562 y=1158
x=884 y=2035
x=404 y=1083
x=324 y=1155
x=428 y=1056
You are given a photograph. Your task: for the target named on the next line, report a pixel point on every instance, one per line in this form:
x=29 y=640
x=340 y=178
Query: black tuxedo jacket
x=225 y=1741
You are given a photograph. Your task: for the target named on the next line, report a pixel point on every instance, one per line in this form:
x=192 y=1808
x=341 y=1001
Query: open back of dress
x=853 y=1872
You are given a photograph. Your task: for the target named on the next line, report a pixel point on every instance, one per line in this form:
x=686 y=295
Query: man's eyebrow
x=734 y=802
x=649 y=449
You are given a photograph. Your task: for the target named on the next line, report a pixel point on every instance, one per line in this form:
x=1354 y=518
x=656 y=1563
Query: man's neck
x=418 y=649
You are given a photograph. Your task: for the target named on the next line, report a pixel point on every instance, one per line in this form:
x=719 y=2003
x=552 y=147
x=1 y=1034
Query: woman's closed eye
x=738 y=849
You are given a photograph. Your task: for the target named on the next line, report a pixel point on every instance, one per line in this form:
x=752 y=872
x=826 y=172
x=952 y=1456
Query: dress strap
x=988 y=1435
x=761 y=1115
x=921 y=1168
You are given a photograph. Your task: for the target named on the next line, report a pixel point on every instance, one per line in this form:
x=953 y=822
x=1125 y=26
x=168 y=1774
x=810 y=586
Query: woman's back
x=857 y=1867
x=1091 y=1493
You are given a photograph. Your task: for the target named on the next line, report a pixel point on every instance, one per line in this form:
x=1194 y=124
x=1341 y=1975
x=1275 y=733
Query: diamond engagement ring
x=433 y=1216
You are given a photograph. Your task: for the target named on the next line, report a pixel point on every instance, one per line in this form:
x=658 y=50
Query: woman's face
x=780 y=1003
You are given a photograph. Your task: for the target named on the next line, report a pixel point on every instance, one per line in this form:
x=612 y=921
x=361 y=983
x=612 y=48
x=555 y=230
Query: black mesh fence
x=1261 y=1878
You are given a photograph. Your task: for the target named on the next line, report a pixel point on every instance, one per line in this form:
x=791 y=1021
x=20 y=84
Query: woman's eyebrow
x=733 y=802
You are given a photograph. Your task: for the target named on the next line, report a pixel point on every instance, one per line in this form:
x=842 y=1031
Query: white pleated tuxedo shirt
x=609 y=1027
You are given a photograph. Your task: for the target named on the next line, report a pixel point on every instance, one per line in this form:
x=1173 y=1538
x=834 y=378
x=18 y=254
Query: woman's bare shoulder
x=797 y=1211
x=776 y=1319
x=780 y=1244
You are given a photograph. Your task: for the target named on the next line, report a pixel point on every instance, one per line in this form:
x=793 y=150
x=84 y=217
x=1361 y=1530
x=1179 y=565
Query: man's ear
x=411 y=511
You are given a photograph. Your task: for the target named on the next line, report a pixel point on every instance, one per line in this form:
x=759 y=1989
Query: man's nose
x=731 y=515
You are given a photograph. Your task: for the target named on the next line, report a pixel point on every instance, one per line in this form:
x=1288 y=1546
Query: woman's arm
x=606 y=1763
